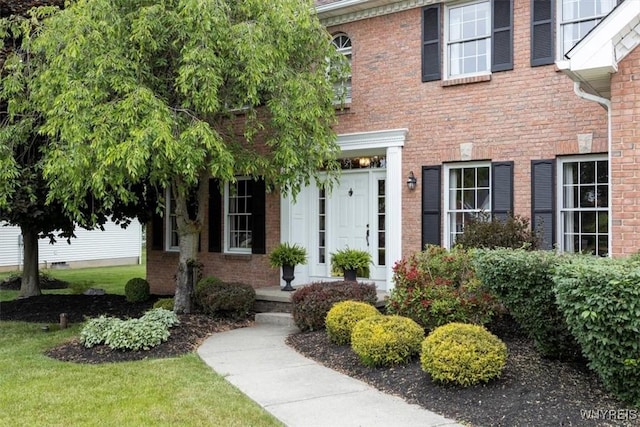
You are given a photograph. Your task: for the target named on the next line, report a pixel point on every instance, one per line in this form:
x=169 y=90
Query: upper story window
x=239 y=223
x=577 y=17
x=469 y=39
x=477 y=39
x=342 y=43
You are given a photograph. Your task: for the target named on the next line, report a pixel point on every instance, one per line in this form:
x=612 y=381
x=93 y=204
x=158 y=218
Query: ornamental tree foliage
x=172 y=92
x=23 y=189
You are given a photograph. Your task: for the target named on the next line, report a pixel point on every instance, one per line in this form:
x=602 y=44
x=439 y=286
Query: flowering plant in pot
x=352 y=263
x=287 y=256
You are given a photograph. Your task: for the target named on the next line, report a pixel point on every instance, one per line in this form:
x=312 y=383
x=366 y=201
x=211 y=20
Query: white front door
x=357 y=219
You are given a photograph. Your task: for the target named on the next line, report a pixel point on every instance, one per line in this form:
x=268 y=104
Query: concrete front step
x=280 y=319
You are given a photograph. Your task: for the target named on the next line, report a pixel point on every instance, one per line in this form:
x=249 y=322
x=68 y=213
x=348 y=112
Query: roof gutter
x=607 y=105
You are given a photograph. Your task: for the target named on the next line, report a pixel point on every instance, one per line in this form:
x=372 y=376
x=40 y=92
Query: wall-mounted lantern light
x=412 y=181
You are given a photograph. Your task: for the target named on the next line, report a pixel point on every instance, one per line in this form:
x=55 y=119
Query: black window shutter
x=431 y=43
x=502 y=35
x=157 y=232
x=431 y=211
x=542 y=32
x=543 y=201
x=502 y=189
x=258 y=232
x=215 y=216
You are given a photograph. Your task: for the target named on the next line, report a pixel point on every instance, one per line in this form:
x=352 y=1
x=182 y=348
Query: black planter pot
x=349 y=275
x=287 y=276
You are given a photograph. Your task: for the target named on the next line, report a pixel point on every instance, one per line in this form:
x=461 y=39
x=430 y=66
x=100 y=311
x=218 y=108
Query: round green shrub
x=136 y=290
x=386 y=340
x=343 y=316
x=463 y=354
x=166 y=303
x=221 y=299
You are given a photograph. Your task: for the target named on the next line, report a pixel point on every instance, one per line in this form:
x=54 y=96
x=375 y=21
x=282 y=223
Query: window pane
x=588 y=222
x=587 y=196
x=483 y=200
x=469 y=199
x=587 y=172
x=603 y=196
x=570 y=173
x=483 y=177
x=603 y=222
x=469 y=178
x=603 y=246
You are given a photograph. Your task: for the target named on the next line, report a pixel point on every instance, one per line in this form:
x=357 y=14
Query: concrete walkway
x=299 y=391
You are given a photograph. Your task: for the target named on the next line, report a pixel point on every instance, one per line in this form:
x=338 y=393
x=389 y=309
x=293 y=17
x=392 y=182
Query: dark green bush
x=462 y=354
x=600 y=299
x=311 y=304
x=136 y=290
x=513 y=232
x=436 y=286
x=386 y=340
x=522 y=281
x=227 y=300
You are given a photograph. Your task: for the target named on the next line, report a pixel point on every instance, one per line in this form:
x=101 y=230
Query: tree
x=173 y=92
x=23 y=189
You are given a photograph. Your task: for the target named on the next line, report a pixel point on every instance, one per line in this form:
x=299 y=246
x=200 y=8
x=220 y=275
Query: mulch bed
x=531 y=392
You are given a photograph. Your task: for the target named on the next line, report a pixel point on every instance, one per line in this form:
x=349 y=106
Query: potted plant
x=287 y=256
x=352 y=263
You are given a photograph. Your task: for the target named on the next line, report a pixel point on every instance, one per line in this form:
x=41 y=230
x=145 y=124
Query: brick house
x=454 y=108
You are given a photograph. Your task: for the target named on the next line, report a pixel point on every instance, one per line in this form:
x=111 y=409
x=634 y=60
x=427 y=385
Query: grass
x=111 y=279
x=39 y=391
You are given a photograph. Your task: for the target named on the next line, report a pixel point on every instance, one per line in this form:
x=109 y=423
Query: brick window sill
x=466 y=80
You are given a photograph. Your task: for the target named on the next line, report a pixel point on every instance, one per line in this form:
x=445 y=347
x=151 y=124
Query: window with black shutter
x=542 y=201
x=541 y=32
x=431 y=205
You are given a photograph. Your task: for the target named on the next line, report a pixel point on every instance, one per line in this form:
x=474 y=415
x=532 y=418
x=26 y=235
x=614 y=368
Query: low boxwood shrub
x=132 y=334
x=386 y=340
x=226 y=300
x=522 y=281
x=136 y=290
x=437 y=286
x=310 y=304
x=462 y=354
x=166 y=303
x=600 y=299
x=343 y=316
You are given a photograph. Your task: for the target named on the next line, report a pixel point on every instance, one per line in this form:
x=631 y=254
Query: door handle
x=367 y=235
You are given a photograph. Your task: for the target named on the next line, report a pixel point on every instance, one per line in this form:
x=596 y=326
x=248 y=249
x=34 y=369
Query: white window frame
x=448 y=212
x=347 y=52
x=561 y=22
x=227 y=219
x=562 y=210
x=171 y=227
x=447 y=41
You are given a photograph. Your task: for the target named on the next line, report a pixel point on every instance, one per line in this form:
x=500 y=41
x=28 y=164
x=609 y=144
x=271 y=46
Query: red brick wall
x=520 y=115
x=252 y=269
x=625 y=150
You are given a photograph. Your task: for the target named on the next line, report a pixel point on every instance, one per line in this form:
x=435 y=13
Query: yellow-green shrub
x=343 y=316
x=166 y=303
x=386 y=340
x=462 y=354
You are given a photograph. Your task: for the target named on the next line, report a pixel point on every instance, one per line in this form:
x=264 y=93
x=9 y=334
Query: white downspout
x=607 y=105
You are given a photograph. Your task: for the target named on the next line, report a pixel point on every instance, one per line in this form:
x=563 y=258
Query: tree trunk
x=184 y=280
x=30 y=275
x=188 y=234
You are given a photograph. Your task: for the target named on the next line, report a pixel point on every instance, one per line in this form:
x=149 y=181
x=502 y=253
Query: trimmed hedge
x=343 y=317
x=600 y=298
x=386 y=340
x=226 y=300
x=522 y=281
x=311 y=304
x=136 y=290
x=462 y=354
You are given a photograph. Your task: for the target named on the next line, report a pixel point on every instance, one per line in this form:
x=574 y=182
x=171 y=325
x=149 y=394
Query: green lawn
x=38 y=391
